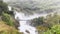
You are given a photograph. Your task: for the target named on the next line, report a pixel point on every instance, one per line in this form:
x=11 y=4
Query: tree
x=3 y=7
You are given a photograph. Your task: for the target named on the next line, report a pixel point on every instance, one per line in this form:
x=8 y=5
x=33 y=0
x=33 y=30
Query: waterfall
x=23 y=20
x=24 y=27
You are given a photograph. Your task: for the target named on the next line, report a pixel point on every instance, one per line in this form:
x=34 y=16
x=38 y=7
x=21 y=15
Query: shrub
x=54 y=30
x=8 y=19
x=37 y=21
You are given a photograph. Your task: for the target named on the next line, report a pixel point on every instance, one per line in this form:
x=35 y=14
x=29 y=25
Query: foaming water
x=23 y=20
x=24 y=27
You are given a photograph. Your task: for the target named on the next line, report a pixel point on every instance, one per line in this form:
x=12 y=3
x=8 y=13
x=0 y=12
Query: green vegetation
x=48 y=25
x=7 y=23
x=7 y=18
x=54 y=30
x=3 y=7
x=37 y=21
x=5 y=29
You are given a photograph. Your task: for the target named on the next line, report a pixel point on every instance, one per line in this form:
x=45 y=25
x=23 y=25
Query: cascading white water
x=26 y=29
x=24 y=26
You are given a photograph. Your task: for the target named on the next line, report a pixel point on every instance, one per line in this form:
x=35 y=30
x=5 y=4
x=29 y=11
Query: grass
x=5 y=29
